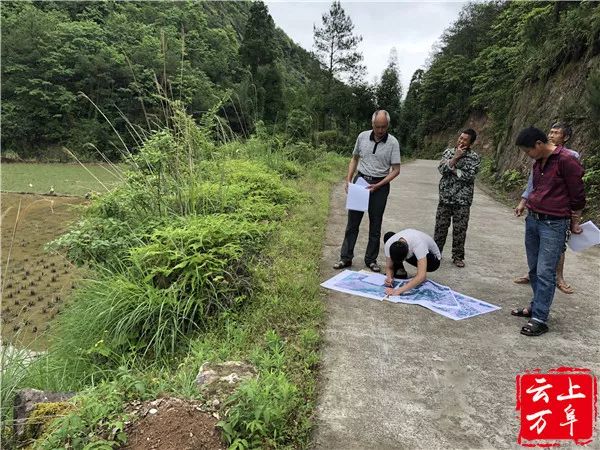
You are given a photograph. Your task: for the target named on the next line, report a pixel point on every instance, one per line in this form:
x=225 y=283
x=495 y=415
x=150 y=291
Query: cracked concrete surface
x=401 y=376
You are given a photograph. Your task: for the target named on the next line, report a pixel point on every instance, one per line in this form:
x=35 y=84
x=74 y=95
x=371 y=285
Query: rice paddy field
x=36 y=285
x=62 y=179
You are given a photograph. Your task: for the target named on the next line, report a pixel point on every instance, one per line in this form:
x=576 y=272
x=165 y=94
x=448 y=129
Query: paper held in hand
x=589 y=237
x=358 y=196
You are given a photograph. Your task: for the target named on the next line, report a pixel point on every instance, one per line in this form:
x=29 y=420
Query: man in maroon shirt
x=554 y=206
x=560 y=133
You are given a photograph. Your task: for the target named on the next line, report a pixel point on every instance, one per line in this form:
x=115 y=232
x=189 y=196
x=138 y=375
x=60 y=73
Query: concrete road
x=401 y=376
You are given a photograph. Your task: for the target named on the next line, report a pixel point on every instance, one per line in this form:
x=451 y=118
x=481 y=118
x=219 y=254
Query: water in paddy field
x=36 y=285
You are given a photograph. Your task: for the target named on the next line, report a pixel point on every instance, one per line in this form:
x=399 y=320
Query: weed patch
x=206 y=266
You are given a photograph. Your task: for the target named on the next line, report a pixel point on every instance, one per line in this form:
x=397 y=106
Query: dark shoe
x=374 y=267
x=521 y=312
x=534 y=328
x=459 y=262
x=342 y=264
x=401 y=274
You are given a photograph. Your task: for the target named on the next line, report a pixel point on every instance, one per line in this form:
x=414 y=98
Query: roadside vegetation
x=205 y=223
x=204 y=252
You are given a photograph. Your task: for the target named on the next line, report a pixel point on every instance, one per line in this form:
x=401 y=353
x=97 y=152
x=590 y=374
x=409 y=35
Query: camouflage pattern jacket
x=457 y=184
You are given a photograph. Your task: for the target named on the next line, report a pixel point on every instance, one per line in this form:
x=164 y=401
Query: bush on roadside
x=166 y=290
x=100 y=240
x=260 y=411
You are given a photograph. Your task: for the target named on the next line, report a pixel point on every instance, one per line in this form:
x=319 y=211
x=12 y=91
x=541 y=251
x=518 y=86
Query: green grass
x=65 y=179
x=129 y=343
x=278 y=331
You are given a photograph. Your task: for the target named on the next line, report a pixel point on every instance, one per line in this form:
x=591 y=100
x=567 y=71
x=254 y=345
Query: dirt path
x=401 y=376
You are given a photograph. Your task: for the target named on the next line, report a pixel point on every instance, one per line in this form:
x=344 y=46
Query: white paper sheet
x=358 y=198
x=360 y=181
x=588 y=238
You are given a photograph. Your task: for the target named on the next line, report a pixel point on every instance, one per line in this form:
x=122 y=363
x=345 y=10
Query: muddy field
x=35 y=284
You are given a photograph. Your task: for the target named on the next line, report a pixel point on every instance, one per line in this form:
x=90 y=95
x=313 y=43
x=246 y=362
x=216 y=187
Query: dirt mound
x=172 y=423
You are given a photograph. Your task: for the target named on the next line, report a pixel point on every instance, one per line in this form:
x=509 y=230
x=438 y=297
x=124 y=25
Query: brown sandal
x=565 y=287
x=521 y=280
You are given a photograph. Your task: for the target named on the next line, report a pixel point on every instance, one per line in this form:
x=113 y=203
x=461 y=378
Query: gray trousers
x=377 y=202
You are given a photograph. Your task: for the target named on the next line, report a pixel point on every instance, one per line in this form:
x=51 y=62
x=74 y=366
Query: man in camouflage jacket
x=458 y=166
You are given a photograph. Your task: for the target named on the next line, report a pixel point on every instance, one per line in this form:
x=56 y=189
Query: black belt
x=540 y=216
x=369 y=178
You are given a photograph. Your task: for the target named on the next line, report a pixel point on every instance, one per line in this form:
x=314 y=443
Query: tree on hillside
x=411 y=113
x=270 y=93
x=258 y=47
x=471 y=31
x=389 y=90
x=336 y=44
x=258 y=51
x=363 y=103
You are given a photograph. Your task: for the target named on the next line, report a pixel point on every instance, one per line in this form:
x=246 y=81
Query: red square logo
x=556 y=406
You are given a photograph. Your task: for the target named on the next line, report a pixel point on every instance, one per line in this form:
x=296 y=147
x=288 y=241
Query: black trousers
x=433 y=263
x=377 y=202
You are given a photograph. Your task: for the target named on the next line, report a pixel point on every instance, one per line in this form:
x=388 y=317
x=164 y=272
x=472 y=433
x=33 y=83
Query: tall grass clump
x=165 y=290
x=172 y=247
x=13 y=370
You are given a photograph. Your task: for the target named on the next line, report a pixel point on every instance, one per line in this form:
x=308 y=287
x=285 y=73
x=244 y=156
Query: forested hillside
x=65 y=65
x=503 y=66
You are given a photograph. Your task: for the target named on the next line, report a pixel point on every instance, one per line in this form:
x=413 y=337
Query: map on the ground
x=431 y=295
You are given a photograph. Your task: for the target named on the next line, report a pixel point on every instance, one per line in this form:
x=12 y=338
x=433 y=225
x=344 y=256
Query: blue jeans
x=544 y=242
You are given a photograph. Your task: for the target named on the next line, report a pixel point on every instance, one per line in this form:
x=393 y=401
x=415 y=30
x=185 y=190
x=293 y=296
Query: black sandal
x=374 y=267
x=534 y=328
x=342 y=264
x=520 y=312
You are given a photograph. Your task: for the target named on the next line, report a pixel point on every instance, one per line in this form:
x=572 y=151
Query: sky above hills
x=411 y=27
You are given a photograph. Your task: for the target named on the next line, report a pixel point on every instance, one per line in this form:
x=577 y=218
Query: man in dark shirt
x=554 y=206
x=559 y=134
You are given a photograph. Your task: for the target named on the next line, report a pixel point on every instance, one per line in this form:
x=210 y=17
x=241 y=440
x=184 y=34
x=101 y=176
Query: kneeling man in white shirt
x=416 y=248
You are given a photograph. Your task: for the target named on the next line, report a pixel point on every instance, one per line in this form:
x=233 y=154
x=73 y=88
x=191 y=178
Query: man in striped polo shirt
x=376 y=156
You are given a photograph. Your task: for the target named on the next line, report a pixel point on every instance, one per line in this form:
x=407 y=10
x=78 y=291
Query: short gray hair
x=382 y=111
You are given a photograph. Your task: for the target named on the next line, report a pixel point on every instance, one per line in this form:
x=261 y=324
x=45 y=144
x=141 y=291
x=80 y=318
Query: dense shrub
x=204 y=258
x=100 y=240
x=255 y=179
x=299 y=124
x=334 y=141
x=168 y=288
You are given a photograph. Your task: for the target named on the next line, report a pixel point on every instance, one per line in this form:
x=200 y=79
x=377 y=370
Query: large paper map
x=431 y=295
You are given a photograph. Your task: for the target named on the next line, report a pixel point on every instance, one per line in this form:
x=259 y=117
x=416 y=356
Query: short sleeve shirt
x=419 y=244
x=376 y=158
